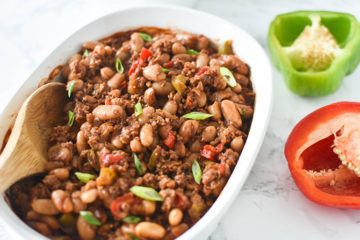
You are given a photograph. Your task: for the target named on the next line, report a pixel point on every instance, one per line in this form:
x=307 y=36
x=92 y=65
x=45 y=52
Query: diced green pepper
x=225 y=47
x=314 y=50
x=179 y=83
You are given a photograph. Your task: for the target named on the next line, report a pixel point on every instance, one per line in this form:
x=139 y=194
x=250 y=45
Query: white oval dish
x=245 y=46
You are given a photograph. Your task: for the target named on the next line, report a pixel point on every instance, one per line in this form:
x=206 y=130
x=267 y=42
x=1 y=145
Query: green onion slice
x=197 y=115
x=84 y=177
x=228 y=76
x=165 y=70
x=86 y=53
x=72 y=84
x=71 y=118
x=146 y=37
x=243 y=112
x=146 y=193
x=118 y=65
x=138 y=165
x=196 y=171
x=90 y=218
x=131 y=219
x=192 y=52
x=132 y=236
x=138 y=109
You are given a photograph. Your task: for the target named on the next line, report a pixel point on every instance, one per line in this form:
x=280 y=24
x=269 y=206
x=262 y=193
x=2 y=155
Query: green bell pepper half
x=284 y=31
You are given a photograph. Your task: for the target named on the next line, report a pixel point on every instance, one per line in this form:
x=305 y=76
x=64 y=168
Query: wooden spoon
x=26 y=150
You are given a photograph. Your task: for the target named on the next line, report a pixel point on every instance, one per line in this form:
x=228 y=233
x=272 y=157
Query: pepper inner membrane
x=327 y=171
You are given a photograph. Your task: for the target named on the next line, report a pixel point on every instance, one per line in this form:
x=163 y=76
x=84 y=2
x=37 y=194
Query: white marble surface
x=269 y=206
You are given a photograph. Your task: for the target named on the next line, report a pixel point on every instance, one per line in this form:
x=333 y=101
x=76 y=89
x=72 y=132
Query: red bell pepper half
x=323 y=154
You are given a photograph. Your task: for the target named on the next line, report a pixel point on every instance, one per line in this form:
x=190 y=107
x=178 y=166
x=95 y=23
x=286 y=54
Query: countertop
x=269 y=206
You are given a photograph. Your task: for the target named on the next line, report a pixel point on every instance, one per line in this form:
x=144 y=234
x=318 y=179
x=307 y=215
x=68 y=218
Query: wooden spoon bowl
x=26 y=150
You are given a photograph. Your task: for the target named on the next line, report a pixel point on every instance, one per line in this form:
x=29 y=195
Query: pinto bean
x=81 y=142
x=237 y=88
x=100 y=49
x=162 y=88
x=44 y=206
x=188 y=129
x=85 y=231
x=187 y=39
x=175 y=216
x=149 y=207
x=149 y=230
x=149 y=96
x=42 y=228
x=116 y=81
x=116 y=141
x=91 y=45
x=32 y=215
x=89 y=196
x=127 y=228
x=180 y=149
x=202 y=60
x=208 y=134
x=245 y=110
x=107 y=112
x=61 y=173
x=201 y=100
x=58 y=153
x=136 y=42
x=164 y=130
x=154 y=73
x=78 y=85
x=136 y=146
x=108 y=50
x=78 y=204
x=171 y=107
x=214 y=109
x=195 y=146
x=62 y=201
x=106 y=73
x=237 y=144
x=202 y=43
x=51 y=221
x=146 y=135
x=178 y=48
x=163 y=58
x=230 y=113
x=242 y=79
x=179 y=229
x=146 y=114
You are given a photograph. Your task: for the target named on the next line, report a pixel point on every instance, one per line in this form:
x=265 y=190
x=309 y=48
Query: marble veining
x=269 y=206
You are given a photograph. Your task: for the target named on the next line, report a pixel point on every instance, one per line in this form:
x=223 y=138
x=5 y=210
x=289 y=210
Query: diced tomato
x=210 y=152
x=109 y=159
x=116 y=205
x=221 y=168
x=122 y=85
x=145 y=53
x=132 y=68
x=219 y=148
x=170 y=140
x=201 y=71
x=107 y=101
x=169 y=64
x=181 y=201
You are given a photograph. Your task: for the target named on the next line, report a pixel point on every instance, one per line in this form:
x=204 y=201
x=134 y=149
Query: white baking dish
x=246 y=47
